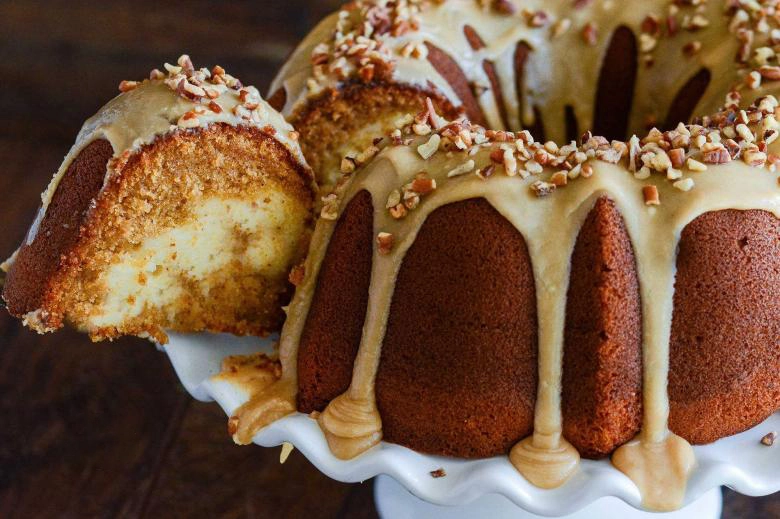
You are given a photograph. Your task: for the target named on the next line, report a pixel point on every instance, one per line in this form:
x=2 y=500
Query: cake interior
x=194 y=231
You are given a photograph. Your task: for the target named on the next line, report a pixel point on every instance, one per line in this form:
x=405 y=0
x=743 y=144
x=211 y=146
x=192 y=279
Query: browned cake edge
x=458 y=370
x=333 y=327
x=725 y=350
x=602 y=362
x=29 y=280
x=327 y=123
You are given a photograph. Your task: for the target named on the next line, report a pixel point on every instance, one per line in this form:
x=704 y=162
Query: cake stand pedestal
x=393 y=501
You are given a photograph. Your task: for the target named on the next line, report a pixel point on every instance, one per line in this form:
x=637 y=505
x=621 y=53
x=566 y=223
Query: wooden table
x=105 y=430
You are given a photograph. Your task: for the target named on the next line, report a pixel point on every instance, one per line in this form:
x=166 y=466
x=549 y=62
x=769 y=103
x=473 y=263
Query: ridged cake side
x=725 y=350
x=602 y=356
x=458 y=372
x=334 y=323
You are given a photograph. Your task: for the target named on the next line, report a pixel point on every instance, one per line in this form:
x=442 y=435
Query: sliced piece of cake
x=182 y=206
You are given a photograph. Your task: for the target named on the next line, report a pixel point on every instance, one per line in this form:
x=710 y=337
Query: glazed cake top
x=180 y=99
x=379 y=41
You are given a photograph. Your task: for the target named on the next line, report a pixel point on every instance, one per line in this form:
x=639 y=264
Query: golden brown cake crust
x=27 y=284
x=458 y=370
x=520 y=60
x=725 y=350
x=489 y=67
x=449 y=69
x=602 y=362
x=684 y=103
x=331 y=335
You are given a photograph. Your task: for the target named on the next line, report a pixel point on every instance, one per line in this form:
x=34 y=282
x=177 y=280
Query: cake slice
x=182 y=206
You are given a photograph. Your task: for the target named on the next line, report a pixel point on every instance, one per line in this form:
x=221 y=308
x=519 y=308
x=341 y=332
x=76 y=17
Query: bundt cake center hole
x=614 y=98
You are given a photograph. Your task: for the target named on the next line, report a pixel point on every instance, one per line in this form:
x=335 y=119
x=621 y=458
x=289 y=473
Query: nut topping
x=384 y=242
x=651 y=196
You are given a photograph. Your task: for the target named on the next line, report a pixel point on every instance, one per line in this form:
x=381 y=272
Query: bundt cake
x=473 y=292
x=461 y=299
x=467 y=292
x=182 y=206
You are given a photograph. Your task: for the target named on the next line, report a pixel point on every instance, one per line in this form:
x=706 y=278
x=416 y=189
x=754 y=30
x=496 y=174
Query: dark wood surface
x=105 y=430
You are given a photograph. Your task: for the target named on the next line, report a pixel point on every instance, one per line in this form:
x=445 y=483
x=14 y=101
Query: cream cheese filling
x=256 y=237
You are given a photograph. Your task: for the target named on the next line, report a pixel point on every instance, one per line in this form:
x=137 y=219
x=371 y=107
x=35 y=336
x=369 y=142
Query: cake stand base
x=394 y=502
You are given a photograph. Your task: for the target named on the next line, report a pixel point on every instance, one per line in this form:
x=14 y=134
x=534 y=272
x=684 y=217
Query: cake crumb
x=438 y=473
x=769 y=439
x=287 y=449
x=297 y=274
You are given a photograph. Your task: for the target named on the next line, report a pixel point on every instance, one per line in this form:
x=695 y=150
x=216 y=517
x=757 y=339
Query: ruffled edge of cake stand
x=740 y=462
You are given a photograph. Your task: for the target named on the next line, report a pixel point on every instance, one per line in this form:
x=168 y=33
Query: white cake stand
x=479 y=488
